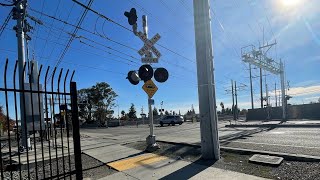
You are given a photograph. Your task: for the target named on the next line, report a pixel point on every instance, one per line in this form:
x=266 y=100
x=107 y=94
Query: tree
x=166 y=112
x=132 y=112
x=96 y=103
x=123 y=113
x=124 y=116
x=222 y=108
x=155 y=112
x=4 y=122
x=319 y=100
x=228 y=111
x=243 y=112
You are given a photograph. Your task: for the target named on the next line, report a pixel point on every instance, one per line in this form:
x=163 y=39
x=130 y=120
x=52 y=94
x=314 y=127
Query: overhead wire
x=48 y=36
x=86 y=30
x=118 y=24
x=5 y=23
x=36 y=24
x=74 y=33
x=64 y=25
x=3 y=4
x=107 y=38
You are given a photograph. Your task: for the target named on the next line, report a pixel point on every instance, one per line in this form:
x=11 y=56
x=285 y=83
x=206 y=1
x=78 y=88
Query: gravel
x=92 y=169
x=293 y=170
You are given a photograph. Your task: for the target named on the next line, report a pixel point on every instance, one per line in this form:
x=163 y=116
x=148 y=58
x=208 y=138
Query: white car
x=171 y=119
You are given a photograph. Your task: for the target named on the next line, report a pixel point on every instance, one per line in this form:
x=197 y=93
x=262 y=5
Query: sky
x=293 y=24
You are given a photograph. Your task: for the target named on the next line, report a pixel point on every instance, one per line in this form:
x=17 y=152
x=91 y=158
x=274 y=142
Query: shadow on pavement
x=190 y=170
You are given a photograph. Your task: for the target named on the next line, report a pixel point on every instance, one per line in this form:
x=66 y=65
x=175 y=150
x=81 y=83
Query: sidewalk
x=176 y=169
x=135 y=164
x=277 y=123
x=158 y=167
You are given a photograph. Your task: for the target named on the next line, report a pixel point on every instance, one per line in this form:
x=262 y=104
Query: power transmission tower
x=259 y=59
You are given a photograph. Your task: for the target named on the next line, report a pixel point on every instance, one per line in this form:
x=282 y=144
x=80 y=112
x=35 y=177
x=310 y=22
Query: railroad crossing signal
x=161 y=75
x=149 y=45
x=145 y=72
x=150 y=88
x=132 y=16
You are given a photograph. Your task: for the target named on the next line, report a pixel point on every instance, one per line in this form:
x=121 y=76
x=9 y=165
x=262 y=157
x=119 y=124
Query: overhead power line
x=99 y=14
x=83 y=29
x=107 y=38
x=74 y=33
x=118 y=24
x=3 y=4
x=5 y=23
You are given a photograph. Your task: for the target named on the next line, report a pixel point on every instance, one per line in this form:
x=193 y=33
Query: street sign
x=151 y=101
x=149 y=44
x=149 y=60
x=150 y=88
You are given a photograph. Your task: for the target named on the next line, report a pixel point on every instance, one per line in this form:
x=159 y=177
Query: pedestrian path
x=151 y=166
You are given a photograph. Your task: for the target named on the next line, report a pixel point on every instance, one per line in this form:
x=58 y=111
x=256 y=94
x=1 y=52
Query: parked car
x=171 y=119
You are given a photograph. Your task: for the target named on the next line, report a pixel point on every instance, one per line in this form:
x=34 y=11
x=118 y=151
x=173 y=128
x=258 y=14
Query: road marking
x=284 y=145
x=133 y=162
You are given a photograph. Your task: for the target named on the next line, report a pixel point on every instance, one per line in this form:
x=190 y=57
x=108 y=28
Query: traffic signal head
x=161 y=75
x=145 y=72
x=132 y=16
x=133 y=77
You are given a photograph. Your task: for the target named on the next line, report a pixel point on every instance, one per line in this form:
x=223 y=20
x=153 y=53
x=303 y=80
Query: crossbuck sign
x=149 y=45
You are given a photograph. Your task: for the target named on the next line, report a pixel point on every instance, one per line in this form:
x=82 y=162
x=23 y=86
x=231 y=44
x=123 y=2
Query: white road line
x=284 y=145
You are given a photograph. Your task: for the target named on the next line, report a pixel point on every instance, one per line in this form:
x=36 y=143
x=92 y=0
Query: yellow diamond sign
x=150 y=88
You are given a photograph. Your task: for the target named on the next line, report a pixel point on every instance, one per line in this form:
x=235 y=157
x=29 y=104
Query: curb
x=276 y=125
x=286 y=156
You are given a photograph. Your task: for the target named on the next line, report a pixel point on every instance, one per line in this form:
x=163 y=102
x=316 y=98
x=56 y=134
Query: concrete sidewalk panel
x=178 y=169
x=119 y=176
x=111 y=153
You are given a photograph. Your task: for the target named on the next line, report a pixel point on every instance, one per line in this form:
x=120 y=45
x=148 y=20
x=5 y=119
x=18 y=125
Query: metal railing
x=47 y=144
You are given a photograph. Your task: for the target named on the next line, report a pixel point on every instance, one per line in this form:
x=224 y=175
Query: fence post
x=76 y=130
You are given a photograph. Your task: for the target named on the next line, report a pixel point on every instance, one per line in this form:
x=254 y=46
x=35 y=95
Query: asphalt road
x=285 y=140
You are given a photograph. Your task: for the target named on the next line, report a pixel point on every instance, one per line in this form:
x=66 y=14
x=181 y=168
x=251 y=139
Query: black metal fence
x=39 y=124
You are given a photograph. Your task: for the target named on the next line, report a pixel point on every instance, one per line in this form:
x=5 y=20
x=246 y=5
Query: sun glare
x=290 y=3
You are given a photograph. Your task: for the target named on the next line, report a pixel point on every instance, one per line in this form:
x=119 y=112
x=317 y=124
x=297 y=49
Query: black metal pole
x=76 y=130
x=261 y=91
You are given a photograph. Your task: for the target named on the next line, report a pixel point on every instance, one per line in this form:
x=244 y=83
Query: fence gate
x=39 y=124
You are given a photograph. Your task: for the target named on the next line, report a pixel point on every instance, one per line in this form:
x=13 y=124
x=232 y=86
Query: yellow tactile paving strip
x=133 y=162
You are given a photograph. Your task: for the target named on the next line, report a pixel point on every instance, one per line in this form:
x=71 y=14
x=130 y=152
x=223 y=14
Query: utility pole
x=142 y=115
x=234 y=115
x=284 y=104
x=161 y=108
x=261 y=91
x=267 y=93
x=267 y=102
x=118 y=114
x=279 y=99
x=206 y=87
x=236 y=96
x=275 y=94
x=252 y=106
x=20 y=15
